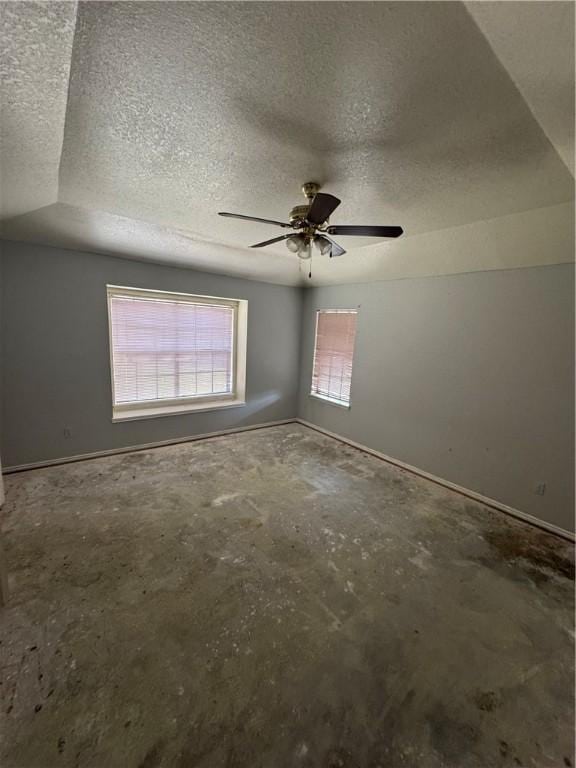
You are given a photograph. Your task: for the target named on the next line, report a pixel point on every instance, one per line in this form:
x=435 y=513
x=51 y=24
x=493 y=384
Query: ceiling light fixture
x=306 y=251
x=299 y=244
x=323 y=244
x=295 y=243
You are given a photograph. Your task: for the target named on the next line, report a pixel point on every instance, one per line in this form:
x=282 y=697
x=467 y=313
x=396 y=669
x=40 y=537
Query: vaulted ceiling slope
x=35 y=70
x=538 y=53
x=126 y=127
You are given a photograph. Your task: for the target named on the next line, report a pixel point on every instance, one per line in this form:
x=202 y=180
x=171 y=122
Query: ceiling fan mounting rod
x=310 y=189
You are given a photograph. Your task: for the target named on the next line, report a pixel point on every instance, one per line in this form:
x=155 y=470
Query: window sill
x=330 y=400
x=154 y=412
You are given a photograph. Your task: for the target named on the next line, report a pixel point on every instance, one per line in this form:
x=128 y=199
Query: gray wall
x=469 y=377
x=55 y=356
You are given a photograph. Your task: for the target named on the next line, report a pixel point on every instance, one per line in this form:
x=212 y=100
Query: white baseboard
x=141 y=447
x=524 y=516
x=518 y=514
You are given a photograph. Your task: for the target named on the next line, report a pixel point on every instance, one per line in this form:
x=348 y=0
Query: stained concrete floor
x=277 y=599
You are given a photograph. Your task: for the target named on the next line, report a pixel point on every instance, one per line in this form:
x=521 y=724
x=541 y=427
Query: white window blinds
x=170 y=347
x=333 y=353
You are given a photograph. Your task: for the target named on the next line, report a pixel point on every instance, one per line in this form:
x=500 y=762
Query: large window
x=333 y=353
x=172 y=352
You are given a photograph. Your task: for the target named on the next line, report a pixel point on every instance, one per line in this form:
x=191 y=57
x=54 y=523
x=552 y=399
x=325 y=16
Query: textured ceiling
x=35 y=68
x=88 y=230
x=178 y=110
x=539 y=56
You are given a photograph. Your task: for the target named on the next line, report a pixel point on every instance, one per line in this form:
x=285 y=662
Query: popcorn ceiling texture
x=35 y=69
x=544 y=74
x=179 y=110
x=82 y=229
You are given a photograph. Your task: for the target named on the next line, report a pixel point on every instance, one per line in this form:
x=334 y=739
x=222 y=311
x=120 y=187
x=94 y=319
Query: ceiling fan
x=310 y=223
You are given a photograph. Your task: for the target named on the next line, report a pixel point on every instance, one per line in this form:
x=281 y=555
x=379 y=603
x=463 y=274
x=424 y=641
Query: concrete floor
x=277 y=599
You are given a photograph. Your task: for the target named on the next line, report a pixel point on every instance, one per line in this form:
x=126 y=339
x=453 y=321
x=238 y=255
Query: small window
x=173 y=353
x=333 y=353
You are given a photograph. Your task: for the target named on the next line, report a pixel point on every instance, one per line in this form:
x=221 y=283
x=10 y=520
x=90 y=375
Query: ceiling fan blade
x=269 y=242
x=337 y=250
x=360 y=231
x=254 y=218
x=321 y=207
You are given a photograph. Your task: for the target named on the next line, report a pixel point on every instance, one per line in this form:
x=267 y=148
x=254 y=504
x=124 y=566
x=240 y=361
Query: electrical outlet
x=540 y=489
x=67 y=433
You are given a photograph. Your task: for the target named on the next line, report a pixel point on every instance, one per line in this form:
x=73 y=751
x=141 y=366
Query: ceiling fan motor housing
x=298 y=214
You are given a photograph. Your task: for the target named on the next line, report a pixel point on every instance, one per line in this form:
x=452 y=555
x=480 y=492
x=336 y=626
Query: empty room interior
x=287 y=384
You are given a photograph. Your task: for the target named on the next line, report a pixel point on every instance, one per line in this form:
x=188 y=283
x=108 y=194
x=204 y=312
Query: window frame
x=317 y=395
x=149 y=409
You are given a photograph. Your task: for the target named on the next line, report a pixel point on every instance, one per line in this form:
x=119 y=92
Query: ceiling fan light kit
x=298 y=244
x=311 y=223
x=323 y=244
